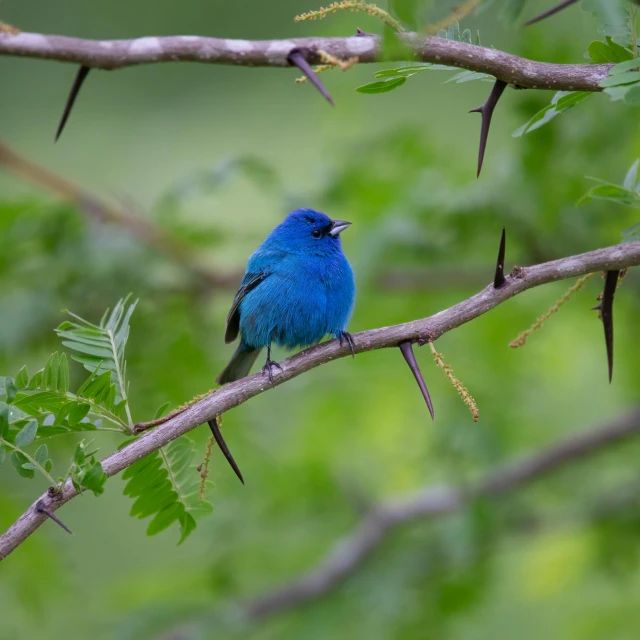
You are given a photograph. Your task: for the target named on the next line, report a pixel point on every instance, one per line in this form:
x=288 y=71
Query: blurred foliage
x=216 y=157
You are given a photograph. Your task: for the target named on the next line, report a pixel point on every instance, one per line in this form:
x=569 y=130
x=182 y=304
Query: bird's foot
x=345 y=335
x=268 y=368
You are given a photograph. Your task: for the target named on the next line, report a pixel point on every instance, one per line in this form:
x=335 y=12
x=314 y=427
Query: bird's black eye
x=316 y=233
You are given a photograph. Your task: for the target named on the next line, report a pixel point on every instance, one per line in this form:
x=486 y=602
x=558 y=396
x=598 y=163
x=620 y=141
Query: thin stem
x=121 y=380
x=42 y=470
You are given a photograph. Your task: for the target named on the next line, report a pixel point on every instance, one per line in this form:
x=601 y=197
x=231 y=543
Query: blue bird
x=298 y=287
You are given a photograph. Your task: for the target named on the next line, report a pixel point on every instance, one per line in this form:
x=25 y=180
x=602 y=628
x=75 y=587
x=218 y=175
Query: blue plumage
x=298 y=287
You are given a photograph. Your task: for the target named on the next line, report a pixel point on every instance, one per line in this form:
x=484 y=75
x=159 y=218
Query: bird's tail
x=240 y=364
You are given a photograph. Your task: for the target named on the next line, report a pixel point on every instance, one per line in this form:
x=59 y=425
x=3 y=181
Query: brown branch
x=348 y=554
x=609 y=259
x=144 y=230
x=116 y=54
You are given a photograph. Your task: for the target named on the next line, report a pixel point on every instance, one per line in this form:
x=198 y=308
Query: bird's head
x=307 y=230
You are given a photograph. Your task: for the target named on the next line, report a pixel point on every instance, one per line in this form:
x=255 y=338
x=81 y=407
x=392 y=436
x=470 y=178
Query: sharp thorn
x=82 y=74
x=217 y=434
x=360 y=32
x=407 y=351
x=610 y=284
x=486 y=111
x=550 y=12
x=42 y=508
x=499 y=278
x=296 y=58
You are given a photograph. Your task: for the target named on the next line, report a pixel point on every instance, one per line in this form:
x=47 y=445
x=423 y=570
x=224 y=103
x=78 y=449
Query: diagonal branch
x=609 y=259
x=142 y=229
x=350 y=552
x=549 y=12
x=116 y=54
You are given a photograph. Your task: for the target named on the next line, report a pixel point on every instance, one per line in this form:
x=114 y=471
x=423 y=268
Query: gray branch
x=349 y=553
x=611 y=258
x=116 y=54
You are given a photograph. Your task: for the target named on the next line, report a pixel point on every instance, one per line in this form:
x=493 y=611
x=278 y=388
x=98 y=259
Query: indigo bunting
x=298 y=287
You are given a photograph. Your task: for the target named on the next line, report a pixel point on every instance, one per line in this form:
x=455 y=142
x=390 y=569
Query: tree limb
x=611 y=258
x=117 y=54
x=350 y=552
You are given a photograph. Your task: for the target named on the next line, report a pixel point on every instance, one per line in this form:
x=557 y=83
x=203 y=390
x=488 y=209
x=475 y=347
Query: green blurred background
x=217 y=156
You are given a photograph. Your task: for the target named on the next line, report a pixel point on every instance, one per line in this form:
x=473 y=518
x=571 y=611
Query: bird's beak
x=338 y=226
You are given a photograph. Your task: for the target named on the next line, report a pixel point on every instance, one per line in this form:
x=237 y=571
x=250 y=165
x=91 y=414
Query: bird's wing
x=249 y=282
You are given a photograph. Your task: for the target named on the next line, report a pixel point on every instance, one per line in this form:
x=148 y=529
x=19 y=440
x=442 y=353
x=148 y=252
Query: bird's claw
x=345 y=335
x=269 y=365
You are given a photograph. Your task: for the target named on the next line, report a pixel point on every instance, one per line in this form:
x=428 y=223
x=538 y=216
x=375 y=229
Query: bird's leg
x=345 y=335
x=270 y=364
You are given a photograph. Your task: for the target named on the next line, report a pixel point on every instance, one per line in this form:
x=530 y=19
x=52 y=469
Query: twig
x=348 y=554
x=104 y=212
x=239 y=392
x=117 y=54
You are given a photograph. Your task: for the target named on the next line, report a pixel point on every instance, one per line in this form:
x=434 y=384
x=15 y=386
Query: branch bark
x=117 y=54
x=611 y=258
x=351 y=551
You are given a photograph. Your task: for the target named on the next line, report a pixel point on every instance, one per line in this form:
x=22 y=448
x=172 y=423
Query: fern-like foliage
x=166 y=485
x=101 y=348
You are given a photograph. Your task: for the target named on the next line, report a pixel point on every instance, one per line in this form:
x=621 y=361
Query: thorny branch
x=348 y=554
x=613 y=258
x=117 y=54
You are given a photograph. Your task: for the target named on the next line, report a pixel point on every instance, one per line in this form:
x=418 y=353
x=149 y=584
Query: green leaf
x=608 y=52
x=63 y=373
x=47 y=465
x=50 y=375
x=631 y=177
x=632 y=96
x=18 y=460
x=36 y=381
x=628 y=65
x=561 y=102
x=612 y=193
x=3 y=455
x=78 y=413
x=632 y=233
x=630 y=77
x=4 y=422
x=383 y=86
x=27 y=435
x=41 y=455
x=160 y=410
x=94 y=479
x=10 y=389
x=44 y=401
x=22 y=378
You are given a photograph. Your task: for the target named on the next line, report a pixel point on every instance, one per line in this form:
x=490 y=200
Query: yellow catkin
x=457 y=14
x=8 y=28
x=330 y=62
x=463 y=392
x=352 y=5
x=204 y=467
x=523 y=337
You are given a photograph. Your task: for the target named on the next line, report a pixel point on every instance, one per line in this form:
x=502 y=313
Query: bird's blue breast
x=304 y=298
